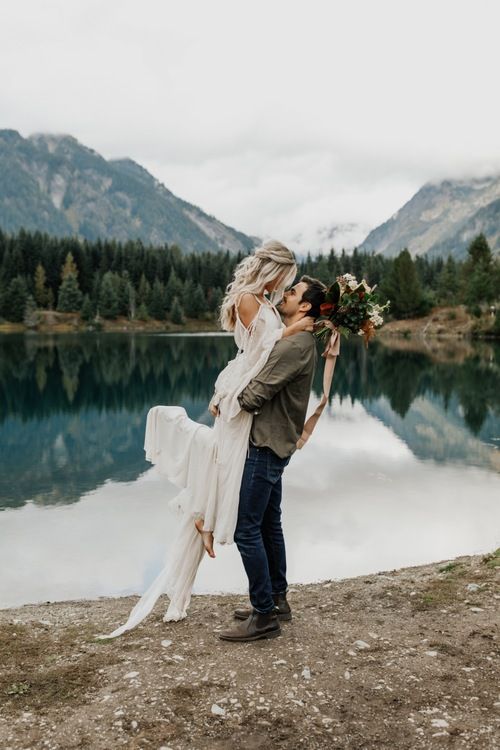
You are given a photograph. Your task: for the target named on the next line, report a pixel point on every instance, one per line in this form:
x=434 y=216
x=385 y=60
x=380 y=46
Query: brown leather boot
x=256 y=626
x=282 y=609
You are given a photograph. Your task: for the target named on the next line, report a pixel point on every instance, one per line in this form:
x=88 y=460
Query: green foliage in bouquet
x=351 y=307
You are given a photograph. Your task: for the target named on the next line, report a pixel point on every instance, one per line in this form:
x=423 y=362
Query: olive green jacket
x=278 y=396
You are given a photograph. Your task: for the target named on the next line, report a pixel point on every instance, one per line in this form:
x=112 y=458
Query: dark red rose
x=326 y=308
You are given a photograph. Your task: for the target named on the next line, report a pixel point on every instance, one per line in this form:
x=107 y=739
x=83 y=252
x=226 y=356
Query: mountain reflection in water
x=73 y=407
x=402 y=469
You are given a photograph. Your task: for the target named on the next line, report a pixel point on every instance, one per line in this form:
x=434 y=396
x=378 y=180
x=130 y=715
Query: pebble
x=166 y=643
x=439 y=723
x=361 y=645
x=130 y=675
x=217 y=710
x=472 y=586
x=431 y=653
x=347 y=675
x=475 y=609
x=306 y=673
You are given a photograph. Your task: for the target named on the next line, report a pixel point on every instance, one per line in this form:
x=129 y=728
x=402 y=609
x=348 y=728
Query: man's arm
x=284 y=364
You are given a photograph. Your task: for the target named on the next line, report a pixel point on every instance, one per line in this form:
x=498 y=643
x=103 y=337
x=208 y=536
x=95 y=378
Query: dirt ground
x=441 y=322
x=400 y=659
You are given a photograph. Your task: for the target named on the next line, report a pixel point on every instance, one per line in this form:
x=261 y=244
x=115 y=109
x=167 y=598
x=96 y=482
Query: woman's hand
x=214 y=410
x=304 y=324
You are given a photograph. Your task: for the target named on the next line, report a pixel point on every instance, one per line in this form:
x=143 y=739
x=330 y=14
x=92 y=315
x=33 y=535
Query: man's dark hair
x=315 y=294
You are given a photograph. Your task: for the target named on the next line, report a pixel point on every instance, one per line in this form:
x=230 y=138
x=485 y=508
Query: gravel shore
x=400 y=659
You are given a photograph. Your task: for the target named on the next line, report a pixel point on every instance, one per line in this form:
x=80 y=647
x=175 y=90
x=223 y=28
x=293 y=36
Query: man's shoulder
x=302 y=342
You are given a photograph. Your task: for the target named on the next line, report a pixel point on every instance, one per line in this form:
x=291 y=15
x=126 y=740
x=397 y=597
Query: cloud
x=279 y=118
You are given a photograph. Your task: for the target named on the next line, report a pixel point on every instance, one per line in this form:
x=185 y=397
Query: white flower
x=365 y=284
x=353 y=284
x=361 y=332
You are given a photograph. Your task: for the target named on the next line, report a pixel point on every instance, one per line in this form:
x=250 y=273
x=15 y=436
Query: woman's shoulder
x=247 y=306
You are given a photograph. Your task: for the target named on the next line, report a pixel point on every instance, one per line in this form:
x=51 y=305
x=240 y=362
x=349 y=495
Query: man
x=278 y=397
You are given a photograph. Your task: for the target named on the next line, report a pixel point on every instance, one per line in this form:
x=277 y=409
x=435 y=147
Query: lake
x=403 y=468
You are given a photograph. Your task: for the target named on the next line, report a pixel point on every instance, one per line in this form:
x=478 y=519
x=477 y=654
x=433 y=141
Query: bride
x=207 y=462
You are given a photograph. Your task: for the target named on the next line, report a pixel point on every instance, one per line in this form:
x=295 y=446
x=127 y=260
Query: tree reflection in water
x=73 y=407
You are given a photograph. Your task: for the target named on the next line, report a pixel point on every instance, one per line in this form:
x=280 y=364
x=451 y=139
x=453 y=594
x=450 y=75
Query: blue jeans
x=258 y=534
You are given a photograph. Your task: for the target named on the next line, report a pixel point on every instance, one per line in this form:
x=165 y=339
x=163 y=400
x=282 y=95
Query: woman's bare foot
x=207 y=536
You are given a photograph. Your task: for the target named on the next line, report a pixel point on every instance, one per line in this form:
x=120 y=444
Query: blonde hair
x=268 y=262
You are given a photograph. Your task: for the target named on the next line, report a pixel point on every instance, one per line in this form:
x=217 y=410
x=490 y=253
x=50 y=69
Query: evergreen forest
x=108 y=279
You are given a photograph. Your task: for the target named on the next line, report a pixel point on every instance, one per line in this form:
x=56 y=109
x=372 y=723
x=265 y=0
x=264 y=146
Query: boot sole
x=286 y=617
x=259 y=636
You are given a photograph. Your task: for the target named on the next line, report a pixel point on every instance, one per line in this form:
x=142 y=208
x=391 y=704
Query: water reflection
x=403 y=469
x=346 y=512
x=73 y=408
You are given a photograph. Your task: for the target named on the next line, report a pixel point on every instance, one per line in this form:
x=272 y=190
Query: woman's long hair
x=268 y=262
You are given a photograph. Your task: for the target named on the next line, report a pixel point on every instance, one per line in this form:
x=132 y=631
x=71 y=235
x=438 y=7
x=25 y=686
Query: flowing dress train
x=206 y=463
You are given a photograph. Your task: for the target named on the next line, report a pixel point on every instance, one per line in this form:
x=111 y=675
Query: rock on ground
x=397 y=660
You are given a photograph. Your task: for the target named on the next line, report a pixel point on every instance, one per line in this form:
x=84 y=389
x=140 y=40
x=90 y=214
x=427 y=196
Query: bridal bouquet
x=351 y=307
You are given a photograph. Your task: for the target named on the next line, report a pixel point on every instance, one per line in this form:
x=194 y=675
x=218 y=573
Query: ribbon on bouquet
x=330 y=353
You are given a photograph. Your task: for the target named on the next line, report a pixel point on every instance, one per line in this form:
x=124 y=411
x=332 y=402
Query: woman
x=207 y=462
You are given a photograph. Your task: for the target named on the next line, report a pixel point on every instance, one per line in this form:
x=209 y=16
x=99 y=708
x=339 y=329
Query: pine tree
x=108 y=296
x=41 y=291
x=144 y=292
x=174 y=288
x=403 y=288
x=176 y=312
x=30 y=318
x=69 y=267
x=87 y=311
x=479 y=273
x=142 y=312
x=195 y=303
x=215 y=299
x=126 y=296
x=131 y=301
x=15 y=299
x=69 y=297
x=156 y=306
x=448 y=282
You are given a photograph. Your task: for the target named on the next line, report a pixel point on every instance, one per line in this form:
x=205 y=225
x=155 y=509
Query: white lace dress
x=207 y=464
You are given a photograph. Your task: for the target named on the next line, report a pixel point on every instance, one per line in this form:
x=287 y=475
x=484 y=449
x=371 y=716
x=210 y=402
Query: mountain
x=441 y=219
x=54 y=184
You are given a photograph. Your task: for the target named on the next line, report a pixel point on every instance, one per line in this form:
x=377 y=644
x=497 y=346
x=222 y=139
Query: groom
x=278 y=398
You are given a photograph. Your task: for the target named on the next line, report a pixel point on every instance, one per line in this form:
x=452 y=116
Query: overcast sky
x=281 y=118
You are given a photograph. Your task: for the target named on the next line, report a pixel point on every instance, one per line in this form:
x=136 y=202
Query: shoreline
x=441 y=323
x=404 y=658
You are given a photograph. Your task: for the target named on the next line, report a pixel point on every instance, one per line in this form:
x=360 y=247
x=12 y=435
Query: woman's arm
x=304 y=324
x=249 y=307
